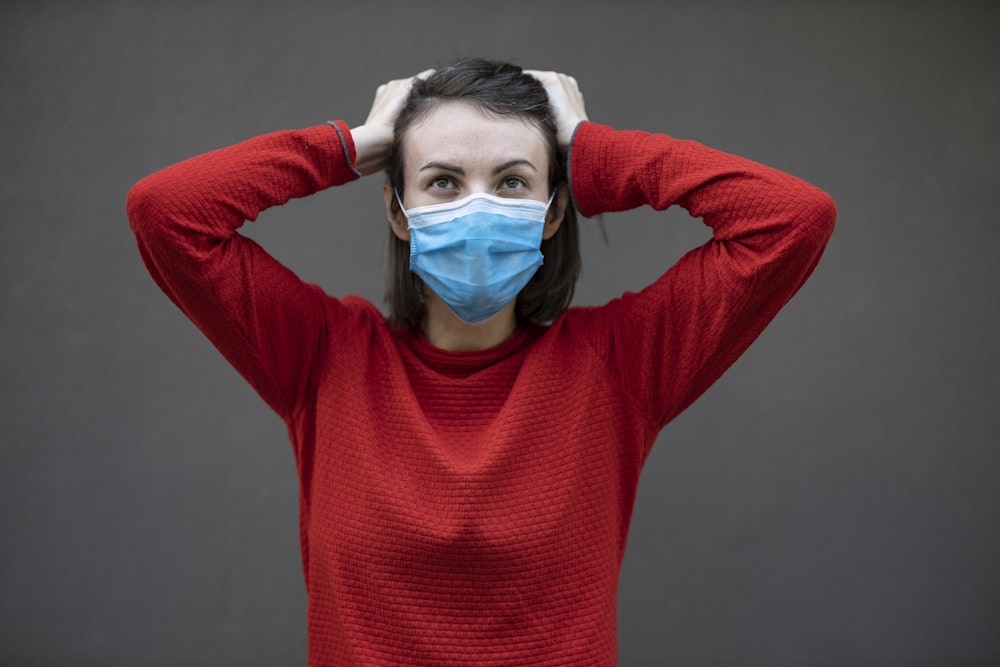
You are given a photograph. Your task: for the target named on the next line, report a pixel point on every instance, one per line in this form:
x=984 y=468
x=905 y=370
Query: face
x=457 y=150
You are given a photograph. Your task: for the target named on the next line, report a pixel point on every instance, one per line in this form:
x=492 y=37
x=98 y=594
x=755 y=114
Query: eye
x=513 y=183
x=442 y=182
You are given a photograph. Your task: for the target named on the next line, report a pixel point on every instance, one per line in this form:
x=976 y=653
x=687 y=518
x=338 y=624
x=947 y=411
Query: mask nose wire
x=402 y=208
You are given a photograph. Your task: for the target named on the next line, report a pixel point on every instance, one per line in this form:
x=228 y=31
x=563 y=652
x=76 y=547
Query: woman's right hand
x=373 y=140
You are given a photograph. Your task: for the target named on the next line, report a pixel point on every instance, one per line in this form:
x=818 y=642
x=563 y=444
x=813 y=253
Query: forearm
x=206 y=198
x=766 y=212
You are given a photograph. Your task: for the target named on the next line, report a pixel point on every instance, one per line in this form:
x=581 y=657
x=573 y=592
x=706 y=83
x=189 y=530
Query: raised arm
x=268 y=323
x=254 y=310
x=672 y=340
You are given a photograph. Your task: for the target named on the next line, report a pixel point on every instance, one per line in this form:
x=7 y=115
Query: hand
x=566 y=101
x=373 y=140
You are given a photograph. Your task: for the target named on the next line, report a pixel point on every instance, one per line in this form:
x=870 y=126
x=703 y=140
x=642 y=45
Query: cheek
x=414 y=197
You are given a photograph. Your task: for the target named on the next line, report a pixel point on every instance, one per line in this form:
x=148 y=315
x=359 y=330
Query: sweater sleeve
x=260 y=315
x=668 y=343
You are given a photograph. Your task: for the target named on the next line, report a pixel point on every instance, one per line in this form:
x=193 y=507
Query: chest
x=489 y=467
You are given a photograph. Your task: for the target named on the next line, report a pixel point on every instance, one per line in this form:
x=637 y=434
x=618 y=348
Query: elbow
x=142 y=204
x=814 y=220
x=823 y=213
x=137 y=205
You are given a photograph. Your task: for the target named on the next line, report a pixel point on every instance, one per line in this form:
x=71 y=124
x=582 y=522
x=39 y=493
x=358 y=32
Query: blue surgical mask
x=477 y=253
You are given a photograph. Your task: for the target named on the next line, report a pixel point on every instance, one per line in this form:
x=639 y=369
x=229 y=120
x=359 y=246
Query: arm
x=671 y=341
x=185 y=217
x=268 y=323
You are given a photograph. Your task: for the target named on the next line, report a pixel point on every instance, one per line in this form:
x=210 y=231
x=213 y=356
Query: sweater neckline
x=467 y=362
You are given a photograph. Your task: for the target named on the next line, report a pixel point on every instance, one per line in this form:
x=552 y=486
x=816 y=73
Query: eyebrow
x=458 y=170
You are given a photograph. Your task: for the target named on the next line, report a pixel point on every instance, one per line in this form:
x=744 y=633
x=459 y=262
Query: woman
x=468 y=465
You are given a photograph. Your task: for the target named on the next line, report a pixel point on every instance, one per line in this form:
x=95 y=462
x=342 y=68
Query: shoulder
x=348 y=316
x=581 y=326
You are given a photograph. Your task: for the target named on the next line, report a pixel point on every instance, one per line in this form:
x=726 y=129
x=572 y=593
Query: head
x=480 y=114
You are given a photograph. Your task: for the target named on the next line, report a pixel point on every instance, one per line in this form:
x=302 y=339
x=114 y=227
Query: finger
x=546 y=78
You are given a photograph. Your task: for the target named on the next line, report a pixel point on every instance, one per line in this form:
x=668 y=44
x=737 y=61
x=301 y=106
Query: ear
x=557 y=212
x=392 y=211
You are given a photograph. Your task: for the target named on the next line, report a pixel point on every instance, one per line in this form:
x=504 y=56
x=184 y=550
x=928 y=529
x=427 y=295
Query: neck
x=444 y=330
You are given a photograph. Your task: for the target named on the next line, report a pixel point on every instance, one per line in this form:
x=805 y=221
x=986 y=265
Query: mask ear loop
x=400 y=202
x=548 y=204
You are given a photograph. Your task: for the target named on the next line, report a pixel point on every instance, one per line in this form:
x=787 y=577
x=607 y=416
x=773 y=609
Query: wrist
x=567 y=133
x=372 y=145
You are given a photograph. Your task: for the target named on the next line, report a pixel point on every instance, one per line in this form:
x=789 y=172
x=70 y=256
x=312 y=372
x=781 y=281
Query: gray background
x=833 y=500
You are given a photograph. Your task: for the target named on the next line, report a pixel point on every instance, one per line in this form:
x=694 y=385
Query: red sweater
x=471 y=508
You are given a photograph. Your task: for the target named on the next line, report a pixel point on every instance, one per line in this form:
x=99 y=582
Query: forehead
x=461 y=134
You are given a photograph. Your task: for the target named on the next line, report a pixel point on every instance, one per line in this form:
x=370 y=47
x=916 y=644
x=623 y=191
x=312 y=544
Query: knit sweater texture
x=472 y=508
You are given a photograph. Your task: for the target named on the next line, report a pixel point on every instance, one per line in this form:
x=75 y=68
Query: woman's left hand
x=566 y=101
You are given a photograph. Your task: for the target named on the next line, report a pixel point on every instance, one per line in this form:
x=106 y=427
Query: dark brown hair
x=505 y=90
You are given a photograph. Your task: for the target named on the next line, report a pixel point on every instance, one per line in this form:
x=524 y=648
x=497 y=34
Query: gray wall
x=833 y=500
